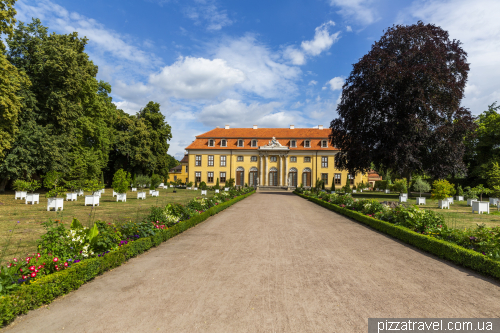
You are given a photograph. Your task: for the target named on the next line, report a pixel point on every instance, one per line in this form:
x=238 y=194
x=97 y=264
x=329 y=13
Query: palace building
x=277 y=157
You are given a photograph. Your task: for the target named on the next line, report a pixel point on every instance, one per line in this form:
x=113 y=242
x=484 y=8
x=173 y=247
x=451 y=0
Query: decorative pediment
x=273 y=145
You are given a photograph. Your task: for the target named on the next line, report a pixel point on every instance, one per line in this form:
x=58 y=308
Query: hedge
x=45 y=289
x=443 y=249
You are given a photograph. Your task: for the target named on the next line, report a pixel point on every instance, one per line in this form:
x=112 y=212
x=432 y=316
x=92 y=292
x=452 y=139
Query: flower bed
x=91 y=255
x=477 y=248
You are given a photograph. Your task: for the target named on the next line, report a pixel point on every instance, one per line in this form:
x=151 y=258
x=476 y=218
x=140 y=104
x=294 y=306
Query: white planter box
x=55 y=203
x=404 y=195
x=20 y=195
x=171 y=185
x=226 y=189
x=155 y=193
x=450 y=200
x=196 y=189
x=96 y=194
x=114 y=193
x=459 y=198
x=92 y=200
x=134 y=189
x=121 y=197
x=161 y=185
x=203 y=192
x=403 y=198
x=33 y=197
x=470 y=201
x=421 y=201
x=141 y=195
x=79 y=192
x=444 y=204
x=151 y=192
x=71 y=196
x=494 y=201
x=353 y=191
x=103 y=190
x=360 y=190
x=387 y=191
x=216 y=191
x=481 y=207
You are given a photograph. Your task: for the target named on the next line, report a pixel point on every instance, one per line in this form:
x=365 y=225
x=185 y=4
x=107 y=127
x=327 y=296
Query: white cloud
x=322 y=40
x=208 y=12
x=297 y=57
x=197 y=78
x=313 y=83
x=348 y=28
x=358 y=10
x=336 y=83
x=265 y=75
x=478 y=28
x=239 y=114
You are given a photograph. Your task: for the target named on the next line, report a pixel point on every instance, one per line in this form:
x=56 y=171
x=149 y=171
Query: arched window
x=306 y=177
x=273 y=176
x=240 y=176
x=253 y=176
x=292 y=177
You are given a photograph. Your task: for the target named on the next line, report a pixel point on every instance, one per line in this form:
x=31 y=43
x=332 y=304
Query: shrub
x=442 y=189
x=460 y=191
x=400 y=186
x=53 y=180
x=121 y=179
x=92 y=185
x=142 y=181
x=109 y=237
x=20 y=185
x=421 y=185
x=203 y=185
x=230 y=182
x=190 y=184
x=155 y=181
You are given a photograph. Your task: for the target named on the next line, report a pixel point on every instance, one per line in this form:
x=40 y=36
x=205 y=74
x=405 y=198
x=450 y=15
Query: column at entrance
x=261 y=180
x=287 y=183
x=267 y=170
x=280 y=170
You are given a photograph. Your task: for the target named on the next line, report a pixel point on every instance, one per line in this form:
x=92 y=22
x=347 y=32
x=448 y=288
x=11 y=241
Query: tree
x=442 y=189
x=155 y=181
x=217 y=184
x=400 y=186
x=121 y=180
x=493 y=173
x=421 y=185
x=480 y=189
x=400 y=106
x=53 y=181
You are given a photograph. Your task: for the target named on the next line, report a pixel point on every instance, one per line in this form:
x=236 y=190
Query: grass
x=21 y=238
x=458 y=216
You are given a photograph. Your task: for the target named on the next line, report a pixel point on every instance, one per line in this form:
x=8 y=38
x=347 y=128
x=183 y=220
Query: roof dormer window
x=211 y=142
x=307 y=143
x=241 y=143
x=293 y=143
x=324 y=144
x=254 y=143
x=223 y=143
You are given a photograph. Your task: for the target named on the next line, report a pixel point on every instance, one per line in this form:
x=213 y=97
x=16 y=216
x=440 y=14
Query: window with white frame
x=241 y=143
x=254 y=143
x=239 y=159
x=197 y=160
x=293 y=143
x=211 y=142
x=324 y=144
x=223 y=143
x=293 y=159
x=223 y=160
x=197 y=175
x=210 y=160
x=307 y=144
x=253 y=159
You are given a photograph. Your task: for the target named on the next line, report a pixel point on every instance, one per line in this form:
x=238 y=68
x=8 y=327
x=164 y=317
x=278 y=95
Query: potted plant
x=420 y=186
x=441 y=191
x=190 y=185
x=93 y=186
x=401 y=187
x=121 y=179
x=354 y=188
x=470 y=195
x=142 y=181
x=72 y=185
x=155 y=182
x=480 y=190
x=460 y=193
x=53 y=180
x=21 y=188
x=33 y=185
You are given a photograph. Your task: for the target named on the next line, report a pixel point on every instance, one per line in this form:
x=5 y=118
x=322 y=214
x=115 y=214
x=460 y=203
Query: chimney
x=292 y=126
x=254 y=126
x=216 y=126
x=320 y=127
x=226 y=127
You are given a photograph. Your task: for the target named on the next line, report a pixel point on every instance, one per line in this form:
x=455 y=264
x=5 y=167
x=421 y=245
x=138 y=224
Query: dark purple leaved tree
x=400 y=106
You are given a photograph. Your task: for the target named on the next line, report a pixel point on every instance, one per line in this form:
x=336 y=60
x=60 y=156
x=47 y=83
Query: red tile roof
x=185 y=159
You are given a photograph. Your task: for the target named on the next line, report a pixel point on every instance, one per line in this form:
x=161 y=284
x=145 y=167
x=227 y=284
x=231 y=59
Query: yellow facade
x=180 y=172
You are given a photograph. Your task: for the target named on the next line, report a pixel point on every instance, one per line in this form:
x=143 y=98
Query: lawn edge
x=46 y=289
x=443 y=249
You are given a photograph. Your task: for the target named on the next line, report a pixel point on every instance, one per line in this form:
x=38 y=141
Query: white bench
x=71 y=196
x=481 y=207
x=55 y=203
x=33 y=197
x=121 y=197
x=421 y=201
x=20 y=195
x=92 y=200
x=141 y=195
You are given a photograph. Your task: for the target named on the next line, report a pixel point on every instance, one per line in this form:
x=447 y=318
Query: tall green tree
x=400 y=105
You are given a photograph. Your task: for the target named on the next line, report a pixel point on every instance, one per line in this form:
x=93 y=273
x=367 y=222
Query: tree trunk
x=3 y=183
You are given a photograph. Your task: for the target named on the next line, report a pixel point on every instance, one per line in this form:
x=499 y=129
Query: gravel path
x=273 y=262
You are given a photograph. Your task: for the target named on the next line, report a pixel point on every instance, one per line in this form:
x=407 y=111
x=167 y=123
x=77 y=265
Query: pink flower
x=9 y=265
x=32 y=268
x=38 y=255
x=15 y=259
x=33 y=274
x=40 y=266
x=56 y=266
x=20 y=270
x=55 y=259
x=24 y=277
x=36 y=270
x=65 y=264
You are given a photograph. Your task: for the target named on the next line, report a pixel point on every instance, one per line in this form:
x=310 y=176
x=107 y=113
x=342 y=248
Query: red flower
x=32 y=268
x=38 y=255
x=56 y=266
x=36 y=270
x=65 y=264
x=40 y=266
x=24 y=277
x=15 y=259
x=55 y=259
x=33 y=274
x=9 y=265
x=20 y=270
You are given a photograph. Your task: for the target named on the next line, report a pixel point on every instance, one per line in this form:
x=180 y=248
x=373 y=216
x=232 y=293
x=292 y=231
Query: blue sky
x=266 y=63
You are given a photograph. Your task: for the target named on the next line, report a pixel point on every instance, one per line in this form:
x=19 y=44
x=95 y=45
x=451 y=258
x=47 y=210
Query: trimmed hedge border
x=47 y=288
x=443 y=249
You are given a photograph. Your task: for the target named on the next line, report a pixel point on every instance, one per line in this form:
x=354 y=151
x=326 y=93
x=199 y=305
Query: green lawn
x=24 y=235
x=458 y=216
